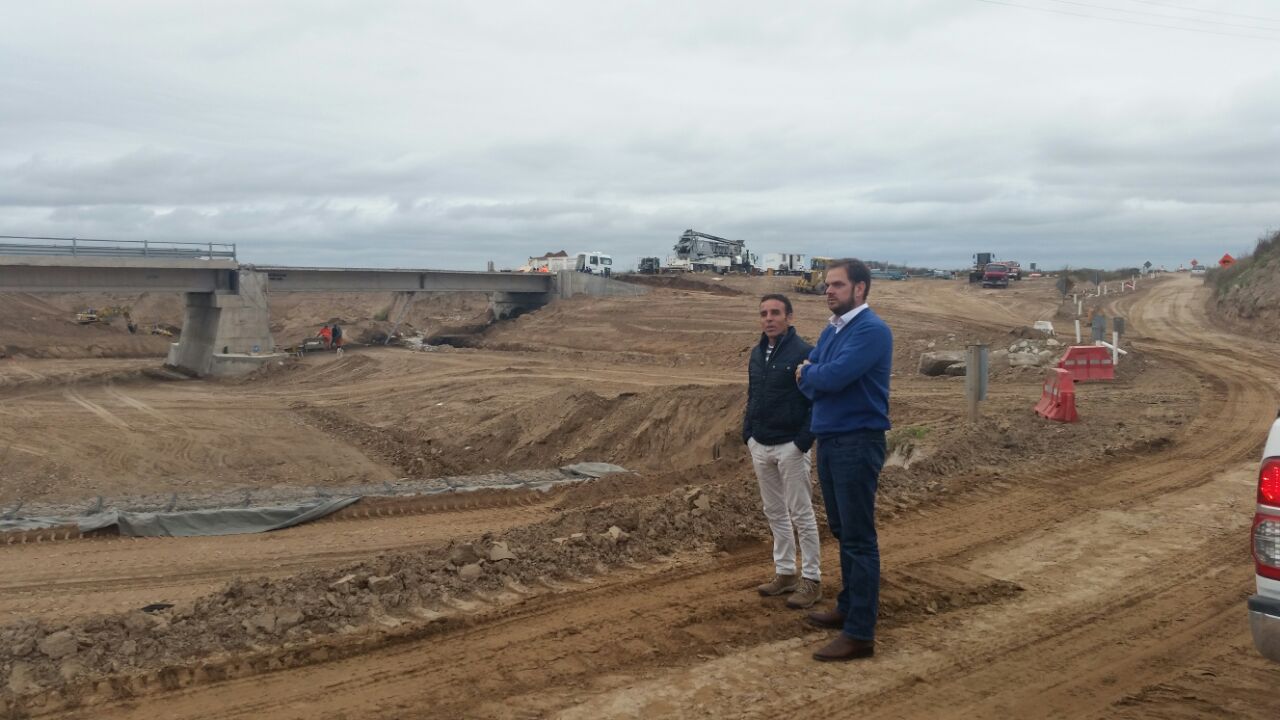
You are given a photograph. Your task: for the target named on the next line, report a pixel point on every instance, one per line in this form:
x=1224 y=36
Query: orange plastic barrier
x=1058 y=401
x=1088 y=362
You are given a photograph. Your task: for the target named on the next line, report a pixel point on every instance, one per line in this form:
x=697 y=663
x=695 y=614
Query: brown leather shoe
x=807 y=593
x=780 y=585
x=845 y=648
x=829 y=619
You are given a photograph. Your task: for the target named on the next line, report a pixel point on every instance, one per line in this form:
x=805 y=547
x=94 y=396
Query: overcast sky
x=445 y=134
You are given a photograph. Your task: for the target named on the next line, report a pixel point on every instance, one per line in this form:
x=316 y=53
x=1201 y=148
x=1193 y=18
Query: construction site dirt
x=1031 y=568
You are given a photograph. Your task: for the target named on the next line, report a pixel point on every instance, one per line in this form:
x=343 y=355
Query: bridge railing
x=88 y=247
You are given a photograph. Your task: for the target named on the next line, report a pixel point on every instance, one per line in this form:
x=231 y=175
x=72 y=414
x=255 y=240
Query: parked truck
x=783 y=263
x=995 y=275
x=699 y=252
x=980 y=262
x=594 y=263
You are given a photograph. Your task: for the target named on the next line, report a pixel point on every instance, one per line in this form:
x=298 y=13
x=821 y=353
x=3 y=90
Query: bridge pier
x=226 y=333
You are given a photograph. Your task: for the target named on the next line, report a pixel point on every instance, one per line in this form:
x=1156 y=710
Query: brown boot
x=807 y=593
x=845 y=648
x=781 y=585
x=829 y=619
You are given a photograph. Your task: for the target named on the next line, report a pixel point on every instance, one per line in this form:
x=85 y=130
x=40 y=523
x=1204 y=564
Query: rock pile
x=1033 y=353
x=1029 y=352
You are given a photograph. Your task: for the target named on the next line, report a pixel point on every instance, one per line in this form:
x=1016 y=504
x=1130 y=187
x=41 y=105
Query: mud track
x=1103 y=588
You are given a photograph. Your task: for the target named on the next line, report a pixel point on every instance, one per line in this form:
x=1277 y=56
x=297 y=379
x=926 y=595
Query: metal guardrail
x=89 y=247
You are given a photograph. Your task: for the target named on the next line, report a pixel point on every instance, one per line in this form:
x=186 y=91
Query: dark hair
x=857 y=271
x=786 y=303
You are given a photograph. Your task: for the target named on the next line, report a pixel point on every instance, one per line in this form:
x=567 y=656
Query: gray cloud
x=449 y=134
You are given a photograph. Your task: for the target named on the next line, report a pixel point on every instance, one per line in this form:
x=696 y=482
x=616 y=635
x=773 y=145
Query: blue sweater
x=848 y=381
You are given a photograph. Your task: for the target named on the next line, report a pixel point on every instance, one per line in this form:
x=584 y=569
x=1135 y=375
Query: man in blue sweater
x=847 y=377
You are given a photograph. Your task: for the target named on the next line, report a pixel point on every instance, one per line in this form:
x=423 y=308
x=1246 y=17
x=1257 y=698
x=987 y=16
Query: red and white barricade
x=1058 y=399
x=1088 y=362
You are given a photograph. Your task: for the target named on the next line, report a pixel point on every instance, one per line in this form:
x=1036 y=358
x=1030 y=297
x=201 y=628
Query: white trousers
x=783 y=473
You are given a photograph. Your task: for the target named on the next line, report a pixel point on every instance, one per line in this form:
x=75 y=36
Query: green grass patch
x=905 y=437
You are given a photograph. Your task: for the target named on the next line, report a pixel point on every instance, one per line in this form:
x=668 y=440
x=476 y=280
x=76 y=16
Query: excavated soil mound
x=678 y=426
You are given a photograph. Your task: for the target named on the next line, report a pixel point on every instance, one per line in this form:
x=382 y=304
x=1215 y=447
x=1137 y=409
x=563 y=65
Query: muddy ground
x=1096 y=569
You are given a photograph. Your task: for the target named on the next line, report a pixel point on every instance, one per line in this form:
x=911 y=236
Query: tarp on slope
x=592 y=469
x=190 y=523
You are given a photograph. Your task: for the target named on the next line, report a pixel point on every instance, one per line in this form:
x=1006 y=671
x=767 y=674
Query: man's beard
x=842 y=309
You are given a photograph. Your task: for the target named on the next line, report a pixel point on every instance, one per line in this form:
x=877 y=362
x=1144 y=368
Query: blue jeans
x=849 y=472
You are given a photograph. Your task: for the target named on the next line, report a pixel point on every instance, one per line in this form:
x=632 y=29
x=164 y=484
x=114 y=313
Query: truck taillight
x=1269 y=482
x=1266 y=545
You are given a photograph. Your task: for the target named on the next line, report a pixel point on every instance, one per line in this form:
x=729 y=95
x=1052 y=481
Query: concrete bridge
x=227 y=327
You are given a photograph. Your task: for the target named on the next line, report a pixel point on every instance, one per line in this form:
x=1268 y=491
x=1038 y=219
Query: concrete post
x=975 y=378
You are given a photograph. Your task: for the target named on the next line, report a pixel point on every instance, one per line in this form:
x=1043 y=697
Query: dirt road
x=1102 y=587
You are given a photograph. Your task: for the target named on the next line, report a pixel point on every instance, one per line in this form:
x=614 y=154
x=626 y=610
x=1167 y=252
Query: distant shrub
x=1247 y=269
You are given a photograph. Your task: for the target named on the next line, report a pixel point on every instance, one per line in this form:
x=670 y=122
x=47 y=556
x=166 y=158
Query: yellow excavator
x=104 y=315
x=812 y=282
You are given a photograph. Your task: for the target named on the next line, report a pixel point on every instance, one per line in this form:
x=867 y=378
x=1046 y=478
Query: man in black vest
x=776 y=429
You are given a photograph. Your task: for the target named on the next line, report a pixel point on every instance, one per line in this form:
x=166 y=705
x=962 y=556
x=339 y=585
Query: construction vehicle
x=995 y=275
x=649 y=266
x=783 y=263
x=980 y=261
x=699 y=252
x=549 y=263
x=813 y=282
x=88 y=317
x=594 y=263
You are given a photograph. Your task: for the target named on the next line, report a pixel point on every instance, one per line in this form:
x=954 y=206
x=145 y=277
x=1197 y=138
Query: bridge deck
x=64 y=273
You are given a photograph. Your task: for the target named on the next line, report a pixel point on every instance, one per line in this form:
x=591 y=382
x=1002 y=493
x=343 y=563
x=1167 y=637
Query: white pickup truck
x=1264 y=608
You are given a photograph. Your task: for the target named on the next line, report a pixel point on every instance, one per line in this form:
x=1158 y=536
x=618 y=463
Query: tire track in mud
x=97 y=410
x=178 y=439
x=1053 y=664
